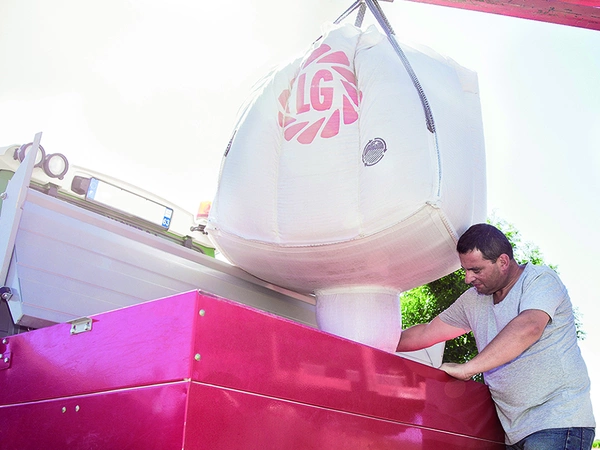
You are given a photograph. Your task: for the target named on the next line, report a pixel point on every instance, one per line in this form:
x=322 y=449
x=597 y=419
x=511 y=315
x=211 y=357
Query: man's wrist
x=469 y=370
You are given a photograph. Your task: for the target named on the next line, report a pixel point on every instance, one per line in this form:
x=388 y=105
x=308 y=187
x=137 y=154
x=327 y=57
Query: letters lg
x=319 y=95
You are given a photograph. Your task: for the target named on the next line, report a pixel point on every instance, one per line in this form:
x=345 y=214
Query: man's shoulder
x=542 y=289
x=534 y=272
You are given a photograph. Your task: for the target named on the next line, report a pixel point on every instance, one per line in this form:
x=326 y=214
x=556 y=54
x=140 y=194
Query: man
x=523 y=323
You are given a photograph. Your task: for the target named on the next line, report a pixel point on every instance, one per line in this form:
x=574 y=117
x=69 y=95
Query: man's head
x=487 y=256
x=489 y=240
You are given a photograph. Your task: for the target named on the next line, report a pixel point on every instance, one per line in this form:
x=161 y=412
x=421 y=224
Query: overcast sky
x=148 y=92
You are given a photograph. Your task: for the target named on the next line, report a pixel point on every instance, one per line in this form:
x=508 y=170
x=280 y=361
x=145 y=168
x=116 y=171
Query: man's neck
x=514 y=272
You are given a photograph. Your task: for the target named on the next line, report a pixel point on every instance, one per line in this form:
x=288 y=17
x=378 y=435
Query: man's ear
x=504 y=261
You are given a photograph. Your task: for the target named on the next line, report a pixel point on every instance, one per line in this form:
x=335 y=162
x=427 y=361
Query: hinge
x=81 y=325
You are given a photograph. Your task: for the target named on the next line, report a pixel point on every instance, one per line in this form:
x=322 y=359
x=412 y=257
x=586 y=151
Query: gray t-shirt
x=547 y=386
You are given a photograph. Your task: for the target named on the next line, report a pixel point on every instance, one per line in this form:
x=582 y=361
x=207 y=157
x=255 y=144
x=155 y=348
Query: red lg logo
x=318 y=93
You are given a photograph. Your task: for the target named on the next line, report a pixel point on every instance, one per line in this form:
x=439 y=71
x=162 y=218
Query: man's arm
x=516 y=337
x=427 y=334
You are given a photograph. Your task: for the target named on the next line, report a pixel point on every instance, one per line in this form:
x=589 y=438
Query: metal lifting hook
x=377 y=12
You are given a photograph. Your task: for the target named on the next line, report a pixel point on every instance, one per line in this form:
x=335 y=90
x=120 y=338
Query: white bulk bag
x=333 y=183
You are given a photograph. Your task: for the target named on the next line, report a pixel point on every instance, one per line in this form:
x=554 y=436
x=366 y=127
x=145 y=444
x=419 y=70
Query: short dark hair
x=489 y=240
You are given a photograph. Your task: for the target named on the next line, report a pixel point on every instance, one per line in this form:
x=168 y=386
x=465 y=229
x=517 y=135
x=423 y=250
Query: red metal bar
x=576 y=13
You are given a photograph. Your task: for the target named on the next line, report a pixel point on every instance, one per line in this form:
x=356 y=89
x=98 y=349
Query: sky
x=148 y=92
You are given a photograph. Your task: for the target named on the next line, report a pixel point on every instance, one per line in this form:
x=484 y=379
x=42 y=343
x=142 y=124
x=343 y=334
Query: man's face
x=484 y=275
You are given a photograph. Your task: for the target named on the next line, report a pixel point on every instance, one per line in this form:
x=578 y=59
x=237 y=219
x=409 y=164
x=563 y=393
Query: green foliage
x=596 y=444
x=424 y=303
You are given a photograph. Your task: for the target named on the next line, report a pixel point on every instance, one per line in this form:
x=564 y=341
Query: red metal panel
x=214 y=342
x=222 y=419
x=156 y=418
x=149 y=418
x=135 y=346
x=278 y=358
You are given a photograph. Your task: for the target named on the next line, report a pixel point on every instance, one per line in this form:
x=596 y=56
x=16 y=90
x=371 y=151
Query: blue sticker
x=92 y=188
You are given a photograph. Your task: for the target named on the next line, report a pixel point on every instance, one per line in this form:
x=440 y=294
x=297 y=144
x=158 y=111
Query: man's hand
x=514 y=339
x=457 y=371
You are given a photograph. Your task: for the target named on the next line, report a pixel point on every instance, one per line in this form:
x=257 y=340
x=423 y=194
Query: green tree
x=424 y=303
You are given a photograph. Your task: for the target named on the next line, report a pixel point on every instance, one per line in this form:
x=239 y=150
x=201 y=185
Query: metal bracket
x=5 y=355
x=81 y=325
